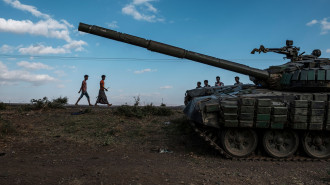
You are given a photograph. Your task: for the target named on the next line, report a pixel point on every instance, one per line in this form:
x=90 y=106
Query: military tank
x=287 y=106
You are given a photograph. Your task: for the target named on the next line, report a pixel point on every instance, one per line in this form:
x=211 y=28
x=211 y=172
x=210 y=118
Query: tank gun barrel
x=173 y=51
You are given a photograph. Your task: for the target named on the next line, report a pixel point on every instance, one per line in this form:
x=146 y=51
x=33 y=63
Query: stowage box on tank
x=288 y=105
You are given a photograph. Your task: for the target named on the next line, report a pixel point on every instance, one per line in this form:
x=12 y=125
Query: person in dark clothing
x=237 y=81
x=206 y=83
x=199 y=85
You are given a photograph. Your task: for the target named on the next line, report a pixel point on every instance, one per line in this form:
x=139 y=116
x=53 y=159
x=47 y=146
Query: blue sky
x=43 y=54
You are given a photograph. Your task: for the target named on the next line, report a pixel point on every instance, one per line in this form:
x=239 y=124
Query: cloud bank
x=13 y=76
x=31 y=9
x=46 y=27
x=33 y=65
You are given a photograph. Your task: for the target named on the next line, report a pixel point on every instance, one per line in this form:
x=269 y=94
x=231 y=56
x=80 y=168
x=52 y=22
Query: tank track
x=211 y=139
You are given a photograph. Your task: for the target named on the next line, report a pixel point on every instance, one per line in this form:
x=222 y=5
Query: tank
x=287 y=107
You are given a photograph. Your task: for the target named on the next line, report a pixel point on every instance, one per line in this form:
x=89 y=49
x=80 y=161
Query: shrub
x=3 y=106
x=58 y=103
x=45 y=103
x=24 y=108
x=6 y=127
x=140 y=112
x=40 y=103
x=61 y=100
x=163 y=111
x=136 y=101
x=129 y=111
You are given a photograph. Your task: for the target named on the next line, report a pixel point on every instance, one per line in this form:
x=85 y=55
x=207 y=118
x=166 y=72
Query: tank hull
x=266 y=113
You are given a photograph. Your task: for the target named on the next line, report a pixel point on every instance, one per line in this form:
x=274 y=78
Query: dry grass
x=97 y=126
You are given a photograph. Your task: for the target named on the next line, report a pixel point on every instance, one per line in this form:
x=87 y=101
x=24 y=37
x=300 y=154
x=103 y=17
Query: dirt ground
x=104 y=147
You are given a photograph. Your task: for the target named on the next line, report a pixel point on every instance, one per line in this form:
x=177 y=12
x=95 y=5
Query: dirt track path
x=62 y=162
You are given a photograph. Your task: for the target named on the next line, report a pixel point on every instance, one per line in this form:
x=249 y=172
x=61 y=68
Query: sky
x=42 y=53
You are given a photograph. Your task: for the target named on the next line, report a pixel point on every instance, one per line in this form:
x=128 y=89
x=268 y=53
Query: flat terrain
x=107 y=146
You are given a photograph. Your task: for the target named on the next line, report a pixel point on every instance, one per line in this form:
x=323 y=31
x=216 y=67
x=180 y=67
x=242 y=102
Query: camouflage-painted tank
x=288 y=106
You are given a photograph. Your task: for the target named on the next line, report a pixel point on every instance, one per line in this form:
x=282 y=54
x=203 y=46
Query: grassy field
x=125 y=145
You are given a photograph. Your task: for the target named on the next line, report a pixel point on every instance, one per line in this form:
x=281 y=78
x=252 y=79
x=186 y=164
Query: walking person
x=102 y=98
x=83 y=90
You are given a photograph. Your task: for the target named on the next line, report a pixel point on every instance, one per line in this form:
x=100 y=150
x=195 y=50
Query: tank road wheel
x=317 y=144
x=280 y=143
x=239 y=142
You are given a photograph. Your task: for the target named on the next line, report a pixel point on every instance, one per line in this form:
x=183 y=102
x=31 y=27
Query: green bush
x=58 y=103
x=61 y=100
x=140 y=112
x=6 y=127
x=24 y=108
x=3 y=106
x=163 y=111
x=40 y=103
x=44 y=103
x=129 y=111
x=136 y=101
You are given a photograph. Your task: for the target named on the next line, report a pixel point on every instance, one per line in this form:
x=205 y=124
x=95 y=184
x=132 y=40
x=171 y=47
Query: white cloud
x=6 y=49
x=325 y=25
x=146 y=3
x=144 y=71
x=113 y=25
x=60 y=73
x=142 y=10
x=33 y=10
x=312 y=22
x=10 y=77
x=76 y=45
x=67 y=23
x=166 y=87
x=60 y=86
x=328 y=51
x=42 y=50
x=47 y=27
x=33 y=65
